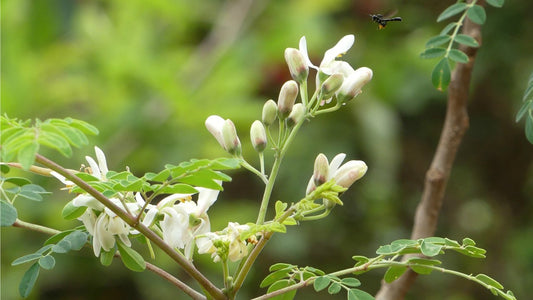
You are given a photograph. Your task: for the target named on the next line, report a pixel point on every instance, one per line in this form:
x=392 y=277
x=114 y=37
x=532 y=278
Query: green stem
x=250 y=168
x=34 y=227
x=457 y=27
x=131 y=221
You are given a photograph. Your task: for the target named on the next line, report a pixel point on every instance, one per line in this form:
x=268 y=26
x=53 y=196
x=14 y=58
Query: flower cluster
x=227 y=243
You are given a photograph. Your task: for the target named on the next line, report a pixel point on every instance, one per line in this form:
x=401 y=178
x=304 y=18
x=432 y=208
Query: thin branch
x=155 y=269
x=455 y=125
x=131 y=221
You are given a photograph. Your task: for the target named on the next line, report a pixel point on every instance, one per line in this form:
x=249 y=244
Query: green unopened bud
x=286 y=99
x=232 y=144
x=297 y=114
x=353 y=83
x=321 y=170
x=258 y=136
x=331 y=85
x=297 y=65
x=270 y=112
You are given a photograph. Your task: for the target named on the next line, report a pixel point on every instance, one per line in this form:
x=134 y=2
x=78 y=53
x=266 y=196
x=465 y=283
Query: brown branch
x=455 y=125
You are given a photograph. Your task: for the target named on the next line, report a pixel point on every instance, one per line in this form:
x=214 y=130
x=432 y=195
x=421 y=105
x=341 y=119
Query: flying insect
x=382 y=22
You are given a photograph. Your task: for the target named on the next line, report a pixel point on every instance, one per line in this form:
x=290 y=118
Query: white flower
x=98 y=170
x=224 y=244
x=344 y=175
x=342 y=46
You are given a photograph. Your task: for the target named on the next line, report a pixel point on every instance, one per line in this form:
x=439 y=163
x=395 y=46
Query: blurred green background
x=148 y=73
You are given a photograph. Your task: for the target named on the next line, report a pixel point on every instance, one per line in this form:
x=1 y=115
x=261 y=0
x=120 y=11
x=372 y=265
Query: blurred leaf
x=62 y=246
x=488 y=280
x=468 y=242
x=393 y=273
x=476 y=14
x=131 y=259
x=441 y=75
x=466 y=40
x=83 y=126
x=321 y=283
x=334 y=288
x=47 y=262
x=8 y=213
x=19 y=181
x=433 y=53
x=351 y=282
x=275 y=276
x=448 y=27
x=430 y=249
x=279 y=266
x=437 y=41
x=26 y=258
x=77 y=239
x=28 y=280
x=32 y=192
x=55 y=141
x=71 y=212
x=529 y=128
x=452 y=11
x=106 y=257
x=356 y=294
x=26 y=154
x=57 y=237
x=458 y=56
x=278 y=285
x=495 y=3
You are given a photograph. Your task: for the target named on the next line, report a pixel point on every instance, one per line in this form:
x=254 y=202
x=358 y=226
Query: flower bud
x=353 y=83
x=350 y=172
x=287 y=96
x=321 y=170
x=296 y=115
x=214 y=124
x=232 y=144
x=331 y=85
x=297 y=65
x=258 y=136
x=270 y=112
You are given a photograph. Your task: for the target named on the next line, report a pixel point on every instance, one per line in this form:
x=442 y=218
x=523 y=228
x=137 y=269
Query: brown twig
x=455 y=125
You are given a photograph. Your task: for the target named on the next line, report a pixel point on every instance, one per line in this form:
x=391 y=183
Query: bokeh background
x=148 y=73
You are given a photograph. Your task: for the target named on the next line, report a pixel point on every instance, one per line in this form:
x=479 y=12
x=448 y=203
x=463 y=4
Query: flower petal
x=303 y=50
x=335 y=164
x=102 y=163
x=340 y=48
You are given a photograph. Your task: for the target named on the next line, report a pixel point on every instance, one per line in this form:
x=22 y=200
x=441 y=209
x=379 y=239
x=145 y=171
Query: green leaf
x=26 y=154
x=522 y=112
x=106 y=257
x=57 y=237
x=314 y=270
x=275 y=276
x=466 y=40
x=495 y=3
x=62 y=246
x=441 y=75
x=278 y=285
x=529 y=128
x=437 y=41
x=280 y=208
x=351 y=282
x=55 y=141
x=131 y=259
x=452 y=11
x=18 y=181
x=356 y=294
x=477 y=14
x=321 y=283
x=4 y=168
x=161 y=176
x=488 y=280
x=83 y=126
x=44 y=249
x=360 y=259
x=279 y=266
x=452 y=243
x=393 y=273
x=179 y=188
x=71 y=212
x=47 y=262
x=468 y=242
x=77 y=239
x=448 y=28
x=334 y=288
x=458 y=56
x=28 y=280
x=8 y=214
x=433 y=53
x=26 y=258
x=32 y=192
x=430 y=249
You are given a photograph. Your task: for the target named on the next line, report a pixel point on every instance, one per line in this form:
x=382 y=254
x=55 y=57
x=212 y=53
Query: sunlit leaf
x=26 y=154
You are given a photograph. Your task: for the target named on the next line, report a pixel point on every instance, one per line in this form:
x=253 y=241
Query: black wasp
x=382 y=22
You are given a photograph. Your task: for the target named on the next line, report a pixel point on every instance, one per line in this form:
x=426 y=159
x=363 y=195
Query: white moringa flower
x=98 y=170
x=342 y=46
x=344 y=175
x=224 y=244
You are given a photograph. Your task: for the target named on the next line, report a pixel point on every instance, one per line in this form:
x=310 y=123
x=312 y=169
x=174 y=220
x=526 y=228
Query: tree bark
x=455 y=126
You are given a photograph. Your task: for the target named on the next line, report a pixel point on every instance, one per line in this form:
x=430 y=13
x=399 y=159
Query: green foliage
x=284 y=275
x=22 y=139
x=8 y=214
x=131 y=258
x=441 y=74
x=527 y=109
x=70 y=240
x=336 y=284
